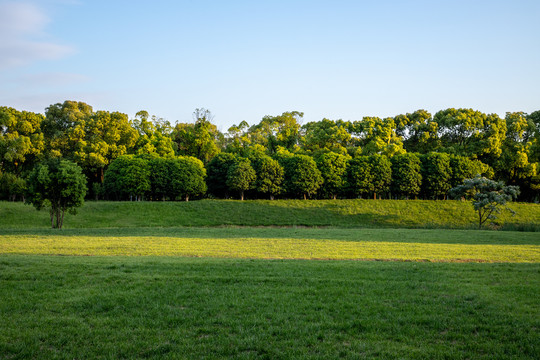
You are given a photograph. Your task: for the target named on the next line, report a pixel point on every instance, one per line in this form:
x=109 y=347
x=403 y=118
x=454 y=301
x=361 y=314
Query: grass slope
x=281 y=243
x=145 y=307
x=334 y=213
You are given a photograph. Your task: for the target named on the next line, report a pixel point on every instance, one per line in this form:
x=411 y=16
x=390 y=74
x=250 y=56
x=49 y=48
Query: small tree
x=269 y=176
x=59 y=184
x=488 y=196
x=187 y=177
x=241 y=176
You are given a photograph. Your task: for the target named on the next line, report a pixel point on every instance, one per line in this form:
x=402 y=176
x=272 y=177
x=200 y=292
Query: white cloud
x=23 y=39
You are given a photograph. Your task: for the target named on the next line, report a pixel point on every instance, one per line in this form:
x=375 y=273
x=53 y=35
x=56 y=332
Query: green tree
x=488 y=196
x=333 y=169
x=378 y=136
x=359 y=176
x=302 y=177
x=160 y=178
x=269 y=176
x=12 y=186
x=154 y=136
x=59 y=185
x=188 y=177
x=64 y=129
x=127 y=177
x=275 y=131
x=406 y=175
x=241 y=176
x=217 y=170
x=199 y=139
x=326 y=135
x=466 y=168
x=381 y=174
x=436 y=175
x=21 y=140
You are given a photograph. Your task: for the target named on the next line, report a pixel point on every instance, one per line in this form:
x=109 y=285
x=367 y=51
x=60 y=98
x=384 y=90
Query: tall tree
x=64 y=129
x=154 y=137
x=359 y=176
x=199 y=139
x=333 y=169
x=217 y=170
x=381 y=174
x=241 y=176
x=302 y=177
x=269 y=176
x=188 y=177
x=406 y=175
x=58 y=184
x=21 y=139
x=436 y=175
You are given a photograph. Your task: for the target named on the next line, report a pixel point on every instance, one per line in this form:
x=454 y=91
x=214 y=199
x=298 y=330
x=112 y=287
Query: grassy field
x=333 y=213
x=281 y=243
x=170 y=307
x=230 y=279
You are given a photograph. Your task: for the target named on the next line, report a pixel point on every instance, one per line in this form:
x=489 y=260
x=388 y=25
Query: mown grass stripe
x=266 y=248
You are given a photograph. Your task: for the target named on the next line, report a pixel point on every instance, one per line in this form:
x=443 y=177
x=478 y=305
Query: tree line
x=407 y=156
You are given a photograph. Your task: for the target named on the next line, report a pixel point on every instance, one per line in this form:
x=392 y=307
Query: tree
x=488 y=196
x=275 y=131
x=217 y=170
x=333 y=169
x=58 y=184
x=381 y=174
x=160 y=178
x=269 y=175
x=436 y=174
x=187 y=177
x=326 y=135
x=154 y=135
x=406 y=175
x=21 y=140
x=359 y=177
x=301 y=175
x=241 y=176
x=127 y=177
x=198 y=139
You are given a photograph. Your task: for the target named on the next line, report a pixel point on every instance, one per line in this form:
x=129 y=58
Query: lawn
x=171 y=307
x=229 y=279
x=320 y=213
x=281 y=243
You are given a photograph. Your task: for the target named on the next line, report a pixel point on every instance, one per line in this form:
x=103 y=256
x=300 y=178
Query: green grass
x=323 y=213
x=280 y=243
x=213 y=293
x=148 y=307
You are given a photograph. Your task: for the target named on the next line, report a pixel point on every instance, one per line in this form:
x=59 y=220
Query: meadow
x=269 y=280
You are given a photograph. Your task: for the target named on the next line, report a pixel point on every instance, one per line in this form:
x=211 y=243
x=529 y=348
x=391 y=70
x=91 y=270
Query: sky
x=243 y=60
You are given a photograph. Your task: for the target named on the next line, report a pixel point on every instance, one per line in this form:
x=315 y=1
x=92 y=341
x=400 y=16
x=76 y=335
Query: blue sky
x=247 y=59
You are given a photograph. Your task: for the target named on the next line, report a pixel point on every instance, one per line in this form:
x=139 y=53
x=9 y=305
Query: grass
x=170 y=307
x=218 y=280
x=321 y=213
x=280 y=243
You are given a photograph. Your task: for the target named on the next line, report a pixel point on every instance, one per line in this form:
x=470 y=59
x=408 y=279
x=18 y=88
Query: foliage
x=359 y=176
x=12 y=186
x=436 y=175
x=488 y=196
x=198 y=139
x=128 y=177
x=406 y=175
x=381 y=174
x=217 y=171
x=188 y=175
x=58 y=184
x=269 y=176
x=241 y=176
x=21 y=139
x=302 y=177
x=333 y=169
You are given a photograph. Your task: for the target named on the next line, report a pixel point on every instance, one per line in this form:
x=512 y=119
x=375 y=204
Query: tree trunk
x=374 y=196
x=187 y=198
x=271 y=197
x=334 y=196
x=305 y=198
x=62 y=220
x=51 y=212
x=242 y=195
